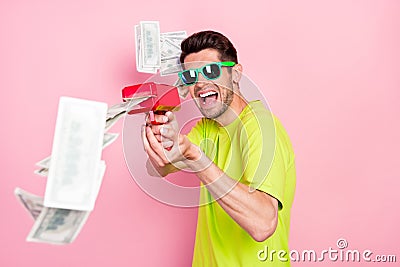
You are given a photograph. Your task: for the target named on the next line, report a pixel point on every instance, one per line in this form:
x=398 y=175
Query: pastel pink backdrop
x=330 y=71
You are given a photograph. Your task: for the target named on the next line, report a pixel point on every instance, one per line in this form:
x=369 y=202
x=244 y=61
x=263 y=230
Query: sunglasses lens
x=212 y=71
x=189 y=76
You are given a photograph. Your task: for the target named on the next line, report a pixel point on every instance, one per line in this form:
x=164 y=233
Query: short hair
x=209 y=39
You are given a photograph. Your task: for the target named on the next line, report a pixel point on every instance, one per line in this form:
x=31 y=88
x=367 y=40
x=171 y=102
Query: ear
x=237 y=73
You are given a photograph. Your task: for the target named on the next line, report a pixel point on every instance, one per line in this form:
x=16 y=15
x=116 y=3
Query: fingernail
x=165 y=119
x=163 y=130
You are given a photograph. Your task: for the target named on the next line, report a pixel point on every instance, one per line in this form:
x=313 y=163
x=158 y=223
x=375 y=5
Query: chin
x=213 y=113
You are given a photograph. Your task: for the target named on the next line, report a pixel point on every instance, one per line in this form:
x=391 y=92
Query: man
x=249 y=195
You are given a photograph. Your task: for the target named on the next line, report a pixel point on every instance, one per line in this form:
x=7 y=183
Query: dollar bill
x=170 y=43
x=125 y=106
x=57 y=226
x=111 y=121
x=76 y=154
x=32 y=203
x=169 y=49
x=139 y=55
x=150 y=43
x=116 y=110
x=175 y=37
x=44 y=163
x=109 y=138
x=170 y=66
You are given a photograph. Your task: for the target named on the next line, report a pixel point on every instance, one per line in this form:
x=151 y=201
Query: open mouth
x=208 y=97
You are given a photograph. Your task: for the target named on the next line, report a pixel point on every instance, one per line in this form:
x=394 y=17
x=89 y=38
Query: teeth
x=208 y=94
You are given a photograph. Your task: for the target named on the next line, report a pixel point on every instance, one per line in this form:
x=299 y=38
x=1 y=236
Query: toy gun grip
x=154 y=122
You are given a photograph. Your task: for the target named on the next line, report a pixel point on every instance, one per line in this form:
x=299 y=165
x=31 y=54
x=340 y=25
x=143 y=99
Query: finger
x=156 y=129
x=153 y=156
x=152 y=140
x=145 y=142
x=155 y=144
x=158 y=137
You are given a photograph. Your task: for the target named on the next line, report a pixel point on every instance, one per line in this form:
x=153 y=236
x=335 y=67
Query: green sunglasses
x=210 y=71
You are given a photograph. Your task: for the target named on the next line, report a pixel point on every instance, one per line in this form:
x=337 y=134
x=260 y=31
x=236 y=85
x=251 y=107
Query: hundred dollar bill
x=111 y=121
x=169 y=49
x=57 y=226
x=170 y=52
x=117 y=111
x=150 y=43
x=175 y=37
x=32 y=203
x=126 y=106
x=170 y=66
x=76 y=154
x=109 y=138
x=139 y=53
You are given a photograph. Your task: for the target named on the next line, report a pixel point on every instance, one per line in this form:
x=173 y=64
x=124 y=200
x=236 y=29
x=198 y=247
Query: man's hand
x=165 y=146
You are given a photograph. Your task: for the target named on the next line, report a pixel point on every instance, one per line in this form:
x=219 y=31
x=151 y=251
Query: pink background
x=330 y=71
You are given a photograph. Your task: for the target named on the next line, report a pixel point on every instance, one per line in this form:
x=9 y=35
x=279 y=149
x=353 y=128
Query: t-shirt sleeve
x=264 y=159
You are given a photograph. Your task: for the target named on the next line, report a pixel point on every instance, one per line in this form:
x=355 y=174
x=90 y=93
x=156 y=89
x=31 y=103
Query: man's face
x=212 y=97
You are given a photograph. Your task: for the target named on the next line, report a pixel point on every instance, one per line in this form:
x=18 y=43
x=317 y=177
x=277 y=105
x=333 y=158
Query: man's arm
x=256 y=212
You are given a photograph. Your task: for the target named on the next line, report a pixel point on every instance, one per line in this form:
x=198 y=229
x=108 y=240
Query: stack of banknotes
x=157 y=51
x=75 y=170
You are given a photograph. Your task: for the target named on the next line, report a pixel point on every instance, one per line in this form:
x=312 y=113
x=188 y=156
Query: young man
x=249 y=194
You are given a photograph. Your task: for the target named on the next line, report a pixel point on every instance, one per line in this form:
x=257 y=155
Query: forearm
x=158 y=171
x=254 y=211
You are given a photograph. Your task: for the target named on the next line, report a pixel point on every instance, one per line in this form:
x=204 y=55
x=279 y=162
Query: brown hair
x=209 y=39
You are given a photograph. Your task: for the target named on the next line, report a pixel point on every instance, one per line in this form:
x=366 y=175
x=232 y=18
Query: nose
x=201 y=82
x=200 y=77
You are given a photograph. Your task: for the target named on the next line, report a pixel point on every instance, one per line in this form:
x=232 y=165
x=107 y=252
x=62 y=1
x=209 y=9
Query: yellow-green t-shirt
x=254 y=150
